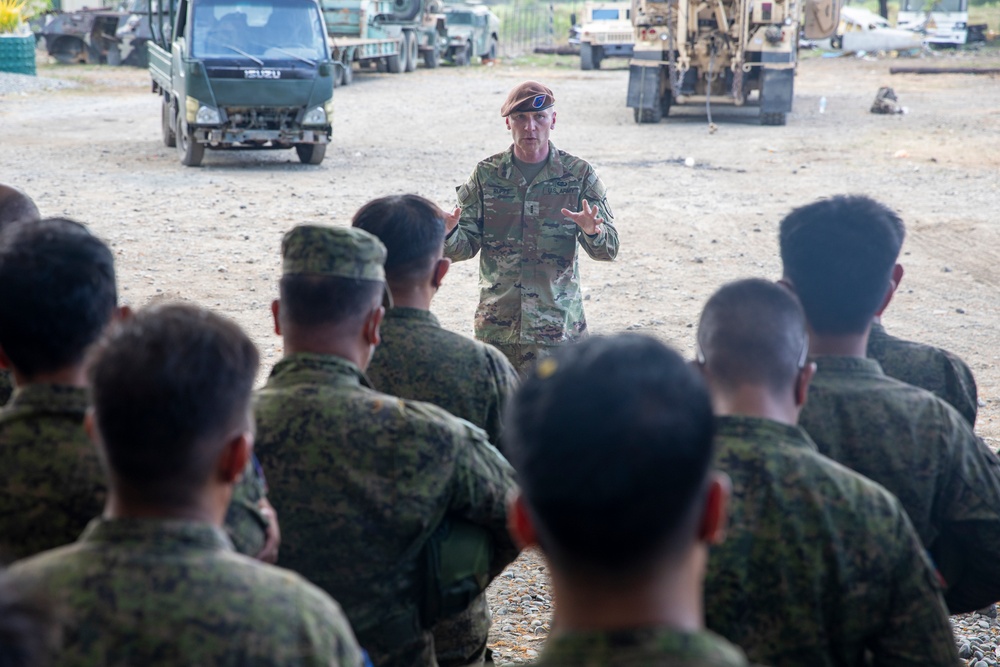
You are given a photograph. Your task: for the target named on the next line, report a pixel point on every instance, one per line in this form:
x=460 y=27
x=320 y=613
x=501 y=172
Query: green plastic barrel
x=17 y=54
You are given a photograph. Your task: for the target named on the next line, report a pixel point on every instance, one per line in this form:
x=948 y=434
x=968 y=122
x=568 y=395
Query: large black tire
x=598 y=56
x=311 y=153
x=775 y=118
x=491 y=52
x=346 y=72
x=463 y=56
x=586 y=57
x=432 y=58
x=647 y=115
x=412 y=50
x=405 y=10
x=396 y=63
x=68 y=50
x=665 y=102
x=189 y=150
x=167 y=125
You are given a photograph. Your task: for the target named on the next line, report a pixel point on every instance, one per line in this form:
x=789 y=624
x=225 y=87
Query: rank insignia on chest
x=531 y=208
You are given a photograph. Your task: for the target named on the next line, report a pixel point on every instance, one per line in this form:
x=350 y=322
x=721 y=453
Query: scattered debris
x=886 y=102
x=944 y=70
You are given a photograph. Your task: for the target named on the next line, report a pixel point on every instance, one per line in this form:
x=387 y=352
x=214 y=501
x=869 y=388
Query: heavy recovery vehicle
x=242 y=74
x=721 y=51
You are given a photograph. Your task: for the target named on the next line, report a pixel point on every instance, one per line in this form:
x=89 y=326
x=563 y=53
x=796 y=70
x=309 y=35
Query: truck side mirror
x=572 y=18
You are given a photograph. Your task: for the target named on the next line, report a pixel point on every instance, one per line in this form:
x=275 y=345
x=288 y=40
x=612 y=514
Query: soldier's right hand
x=451 y=220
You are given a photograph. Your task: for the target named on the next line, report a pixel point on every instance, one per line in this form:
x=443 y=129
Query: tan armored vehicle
x=605 y=32
x=721 y=51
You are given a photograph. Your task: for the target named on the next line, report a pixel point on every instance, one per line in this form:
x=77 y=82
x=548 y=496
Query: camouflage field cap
x=342 y=252
x=528 y=96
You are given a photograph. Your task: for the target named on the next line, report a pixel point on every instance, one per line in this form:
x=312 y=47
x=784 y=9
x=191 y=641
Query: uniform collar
x=51 y=398
x=844 y=365
x=162 y=535
x=407 y=313
x=759 y=429
x=554 y=167
x=317 y=368
x=603 y=647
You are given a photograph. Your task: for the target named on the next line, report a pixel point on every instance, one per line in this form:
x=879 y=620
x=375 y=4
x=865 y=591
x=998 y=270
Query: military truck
x=473 y=32
x=95 y=35
x=390 y=35
x=721 y=51
x=605 y=32
x=244 y=74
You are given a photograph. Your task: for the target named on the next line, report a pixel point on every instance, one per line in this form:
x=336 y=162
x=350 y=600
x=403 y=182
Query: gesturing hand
x=589 y=219
x=451 y=220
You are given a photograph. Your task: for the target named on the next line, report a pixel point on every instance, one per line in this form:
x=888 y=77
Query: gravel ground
x=977 y=637
x=20 y=84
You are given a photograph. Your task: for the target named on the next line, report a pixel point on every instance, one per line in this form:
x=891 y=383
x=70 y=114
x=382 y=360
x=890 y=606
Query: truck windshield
x=456 y=18
x=933 y=6
x=604 y=15
x=258 y=30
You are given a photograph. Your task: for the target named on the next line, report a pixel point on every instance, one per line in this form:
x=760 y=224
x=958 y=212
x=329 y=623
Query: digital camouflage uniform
x=924 y=452
x=362 y=479
x=52 y=484
x=419 y=360
x=6 y=386
x=938 y=371
x=166 y=593
x=643 y=647
x=529 y=283
x=820 y=566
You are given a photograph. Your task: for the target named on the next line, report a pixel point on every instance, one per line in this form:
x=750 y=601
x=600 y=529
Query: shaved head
x=753 y=332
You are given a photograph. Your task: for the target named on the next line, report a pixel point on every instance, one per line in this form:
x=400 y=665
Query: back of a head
x=611 y=439
x=753 y=332
x=168 y=386
x=57 y=293
x=16 y=206
x=412 y=229
x=839 y=254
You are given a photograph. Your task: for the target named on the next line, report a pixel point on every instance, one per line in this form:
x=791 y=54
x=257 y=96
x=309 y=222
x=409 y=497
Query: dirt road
x=212 y=234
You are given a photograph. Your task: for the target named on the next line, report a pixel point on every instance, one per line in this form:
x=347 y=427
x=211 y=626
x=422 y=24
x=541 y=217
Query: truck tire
x=432 y=58
x=412 y=50
x=396 y=63
x=598 y=56
x=647 y=115
x=311 y=153
x=167 y=124
x=405 y=10
x=347 y=74
x=491 y=52
x=775 y=118
x=463 y=56
x=189 y=150
x=586 y=56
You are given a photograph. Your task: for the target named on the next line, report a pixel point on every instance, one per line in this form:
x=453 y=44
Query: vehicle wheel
x=190 y=151
x=412 y=50
x=311 y=153
x=491 y=53
x=586 y=57
x=463 y=56
x=598 y=57
x=647 y=115
x=167 y=123
x=396 y=63
x=68 y=51
x=775 y=118
x=665 y=102
x=837 y=42
x=432 y=58
x=347 y=74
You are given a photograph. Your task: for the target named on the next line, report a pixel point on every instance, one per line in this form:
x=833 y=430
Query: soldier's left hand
x=272 y=535
x=589 y=219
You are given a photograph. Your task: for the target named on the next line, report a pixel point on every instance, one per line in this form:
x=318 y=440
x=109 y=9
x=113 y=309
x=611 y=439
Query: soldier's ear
x=552 y=125
x=276 y=314
x=802 y=383
x=519 y=523
x=234 y=457
x=440 y=270
x=715 y=513
x=371 y=329
x=897 y=277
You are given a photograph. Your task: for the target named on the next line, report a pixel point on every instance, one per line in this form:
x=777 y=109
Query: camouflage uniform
x=924 y=452
x=362 y=479
x=165 y=593
x=419 y=360
x=938 y=371
x=52 y=483
x=6 y=386
x=643 y=647
x=820 y=566
x=529 y=284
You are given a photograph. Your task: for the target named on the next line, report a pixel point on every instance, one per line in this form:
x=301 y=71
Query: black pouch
x=456 y=563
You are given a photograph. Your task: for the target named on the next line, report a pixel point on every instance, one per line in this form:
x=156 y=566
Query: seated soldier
x=838 y=255
x=938 y=371
x=156 y=582
x=621 y=501
x=15 y=206
x=417 y=359
x=57 y=296
x=821 y=566
x=363 y=478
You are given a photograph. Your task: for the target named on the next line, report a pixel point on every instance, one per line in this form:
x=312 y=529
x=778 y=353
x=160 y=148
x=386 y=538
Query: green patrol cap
x=342 y=252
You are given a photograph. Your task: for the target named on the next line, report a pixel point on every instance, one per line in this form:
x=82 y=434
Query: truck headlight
x=315 y=116
x=207 y=116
